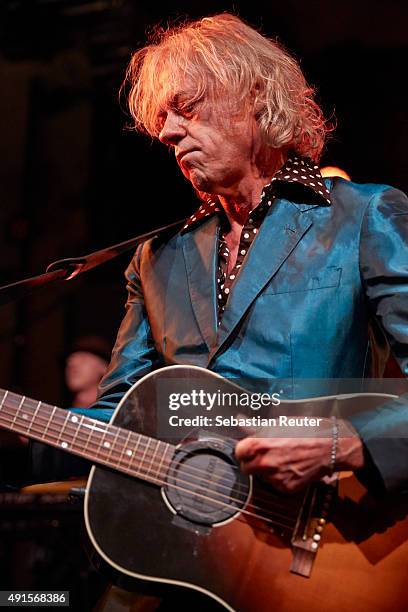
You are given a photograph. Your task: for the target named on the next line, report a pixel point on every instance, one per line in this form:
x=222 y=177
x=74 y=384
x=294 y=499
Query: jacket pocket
x=329 y=277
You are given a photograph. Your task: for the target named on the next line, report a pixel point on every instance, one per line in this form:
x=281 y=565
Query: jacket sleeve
x=384 y=271
x=134 y=353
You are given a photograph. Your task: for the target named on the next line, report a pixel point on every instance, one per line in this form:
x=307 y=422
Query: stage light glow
x=329 y=171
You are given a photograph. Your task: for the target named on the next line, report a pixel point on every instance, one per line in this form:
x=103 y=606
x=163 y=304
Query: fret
x=74 y=419
x=3 y=400
x=103 y=442
x=113 y=444
x=124 y=448
x=33 y=417
x=83 y=425
x=161 y=460
x=153 y=456
x=144 y=454
x=132 y=454
x=64 y=444
x=135 y=450
x=17 y=411
x=25 y=414
x=44 y=434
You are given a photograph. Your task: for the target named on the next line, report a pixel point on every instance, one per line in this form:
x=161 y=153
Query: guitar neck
x=126 y=451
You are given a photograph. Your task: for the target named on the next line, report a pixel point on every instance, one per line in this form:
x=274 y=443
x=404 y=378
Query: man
x=279 y=274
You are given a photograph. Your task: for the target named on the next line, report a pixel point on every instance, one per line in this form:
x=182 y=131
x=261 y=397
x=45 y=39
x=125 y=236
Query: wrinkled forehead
x=174 y=87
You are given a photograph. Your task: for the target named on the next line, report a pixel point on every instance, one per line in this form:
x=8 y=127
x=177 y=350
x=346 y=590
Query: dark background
x=73 y=179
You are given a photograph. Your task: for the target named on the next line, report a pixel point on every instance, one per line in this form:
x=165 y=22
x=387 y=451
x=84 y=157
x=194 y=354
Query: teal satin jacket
x=322 y=294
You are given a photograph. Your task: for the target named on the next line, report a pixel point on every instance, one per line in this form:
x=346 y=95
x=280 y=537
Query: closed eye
x=187 y=110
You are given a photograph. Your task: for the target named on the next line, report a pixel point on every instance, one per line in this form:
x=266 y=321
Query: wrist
x=350 y=450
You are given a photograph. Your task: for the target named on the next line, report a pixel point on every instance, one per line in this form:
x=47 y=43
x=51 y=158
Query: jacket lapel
x=200 y=254
x=280 y=232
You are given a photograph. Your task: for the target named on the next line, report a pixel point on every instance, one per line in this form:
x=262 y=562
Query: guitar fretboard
x=123 y=450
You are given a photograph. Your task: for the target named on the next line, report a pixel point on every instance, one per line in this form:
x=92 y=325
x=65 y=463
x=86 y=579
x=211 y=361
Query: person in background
x=85 y=364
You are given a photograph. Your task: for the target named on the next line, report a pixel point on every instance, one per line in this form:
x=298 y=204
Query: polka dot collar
x=303 y=171
x=296 y=170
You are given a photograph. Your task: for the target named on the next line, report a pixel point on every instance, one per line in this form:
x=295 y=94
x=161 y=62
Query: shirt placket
x=226 y=281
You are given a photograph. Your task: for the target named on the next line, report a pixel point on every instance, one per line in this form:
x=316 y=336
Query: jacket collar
x=299 y=179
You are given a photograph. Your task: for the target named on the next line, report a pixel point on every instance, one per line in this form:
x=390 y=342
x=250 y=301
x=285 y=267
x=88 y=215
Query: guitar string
x=239 y=511
x=139 y=473
x=163 y=482
x=256 y=498
x=276 y=503
x=97 y=445
x=101 y=424
x=63 y=421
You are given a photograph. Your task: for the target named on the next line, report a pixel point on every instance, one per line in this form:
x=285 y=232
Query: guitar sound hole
x=205 y=485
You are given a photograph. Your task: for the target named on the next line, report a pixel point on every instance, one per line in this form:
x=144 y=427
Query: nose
x=174 y=128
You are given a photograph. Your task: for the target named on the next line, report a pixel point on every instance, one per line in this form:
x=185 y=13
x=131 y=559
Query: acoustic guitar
x=167 y=506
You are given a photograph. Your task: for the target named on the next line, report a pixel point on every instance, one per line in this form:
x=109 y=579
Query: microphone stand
x=67 y=269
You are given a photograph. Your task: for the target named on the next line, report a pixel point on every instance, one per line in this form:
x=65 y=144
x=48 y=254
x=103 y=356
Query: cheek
x=92 y=374
x=241 y=148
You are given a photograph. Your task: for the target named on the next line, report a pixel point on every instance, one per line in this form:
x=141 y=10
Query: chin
x=199 y=181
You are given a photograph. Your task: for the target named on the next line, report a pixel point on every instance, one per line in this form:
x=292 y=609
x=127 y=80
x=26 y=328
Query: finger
x=246 y=449
x=250 y=467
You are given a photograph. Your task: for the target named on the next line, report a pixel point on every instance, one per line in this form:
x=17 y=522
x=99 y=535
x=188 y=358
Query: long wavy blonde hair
x=222 y=59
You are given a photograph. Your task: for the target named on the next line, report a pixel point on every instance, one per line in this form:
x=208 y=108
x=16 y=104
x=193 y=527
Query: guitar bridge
x=309 y=527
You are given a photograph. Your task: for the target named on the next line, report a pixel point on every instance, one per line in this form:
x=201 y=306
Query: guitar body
x=240 y=562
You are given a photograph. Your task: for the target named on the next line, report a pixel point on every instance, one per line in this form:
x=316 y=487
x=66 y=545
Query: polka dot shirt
x=296 y=170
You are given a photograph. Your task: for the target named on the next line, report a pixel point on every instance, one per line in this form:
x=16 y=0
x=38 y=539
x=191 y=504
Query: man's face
x=214 y=148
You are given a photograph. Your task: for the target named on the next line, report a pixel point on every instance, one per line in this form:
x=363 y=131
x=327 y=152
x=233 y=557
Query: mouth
x=180 y=156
